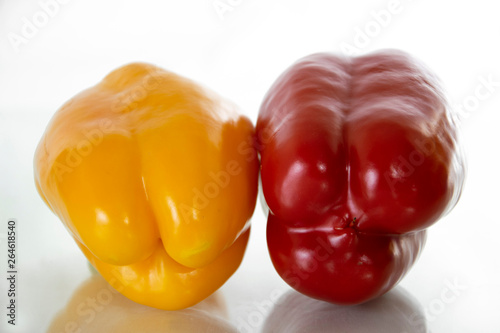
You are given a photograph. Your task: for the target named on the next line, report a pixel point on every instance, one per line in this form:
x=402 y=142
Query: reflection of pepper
x=145 y=171
x=95 y=307
x=395 y=312
x=359 y=156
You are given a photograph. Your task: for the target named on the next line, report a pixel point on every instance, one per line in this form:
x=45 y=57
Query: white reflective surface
x=454 y=285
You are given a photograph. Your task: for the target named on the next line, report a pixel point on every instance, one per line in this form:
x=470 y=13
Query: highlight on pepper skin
x=155 y=178
x=358 y=157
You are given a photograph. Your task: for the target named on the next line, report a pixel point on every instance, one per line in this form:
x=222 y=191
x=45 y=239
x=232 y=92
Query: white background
x=239 y=53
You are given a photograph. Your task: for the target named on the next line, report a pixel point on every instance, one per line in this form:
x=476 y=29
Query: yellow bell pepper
x=155 y=178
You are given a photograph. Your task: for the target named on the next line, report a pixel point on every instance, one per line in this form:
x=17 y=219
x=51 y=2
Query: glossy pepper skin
x=358 y=157
x=147 y=172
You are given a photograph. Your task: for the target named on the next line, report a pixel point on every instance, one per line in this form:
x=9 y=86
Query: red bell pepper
x=359 y=156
